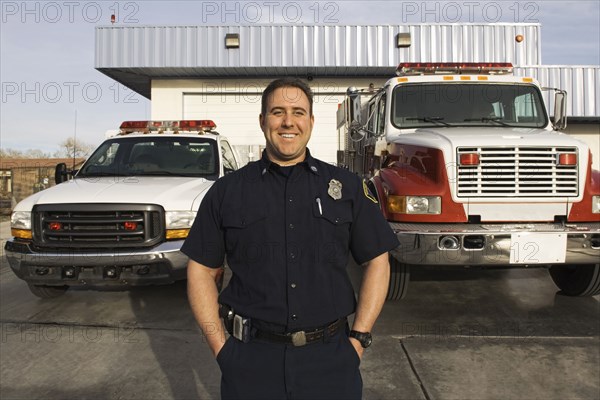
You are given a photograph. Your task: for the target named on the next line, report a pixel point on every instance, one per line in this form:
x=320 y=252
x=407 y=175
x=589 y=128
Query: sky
x=50 y=90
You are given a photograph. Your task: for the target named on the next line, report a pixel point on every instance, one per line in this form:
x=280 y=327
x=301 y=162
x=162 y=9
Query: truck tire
x=577 y=280
x=399 y=278
x=47 y=292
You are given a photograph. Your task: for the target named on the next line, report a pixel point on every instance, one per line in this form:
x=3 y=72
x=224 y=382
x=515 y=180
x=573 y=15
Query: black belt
x=242 y=329
x=301 y=338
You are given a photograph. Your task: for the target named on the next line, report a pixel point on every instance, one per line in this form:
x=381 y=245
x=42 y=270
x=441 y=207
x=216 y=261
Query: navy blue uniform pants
x=263 y=370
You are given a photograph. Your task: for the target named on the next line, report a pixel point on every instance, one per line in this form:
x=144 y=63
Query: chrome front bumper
x=164 y=263
x=497 y=244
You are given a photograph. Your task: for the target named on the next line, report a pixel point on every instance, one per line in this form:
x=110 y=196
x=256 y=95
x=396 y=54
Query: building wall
x=234 y=105
x=29 y=180
x=22 y=177
x=338 y=49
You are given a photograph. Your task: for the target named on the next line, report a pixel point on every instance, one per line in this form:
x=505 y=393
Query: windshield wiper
x=497 y=120
x=156 y=173
x=100 y=174
x=435 y=120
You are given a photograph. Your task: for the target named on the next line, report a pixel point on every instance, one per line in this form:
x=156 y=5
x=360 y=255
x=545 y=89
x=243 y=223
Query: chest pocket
x=333 y=219
x=244 y=230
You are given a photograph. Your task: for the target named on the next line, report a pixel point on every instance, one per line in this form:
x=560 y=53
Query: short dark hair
x=286 y=82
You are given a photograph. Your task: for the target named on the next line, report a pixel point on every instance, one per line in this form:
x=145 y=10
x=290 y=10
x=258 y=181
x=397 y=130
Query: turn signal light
x=567 y=159
x=21 y=233
x=469 y=159
x=396 y=204
x=172 y=234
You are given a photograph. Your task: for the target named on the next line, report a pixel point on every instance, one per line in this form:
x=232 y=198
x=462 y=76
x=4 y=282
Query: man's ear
x=261 y=119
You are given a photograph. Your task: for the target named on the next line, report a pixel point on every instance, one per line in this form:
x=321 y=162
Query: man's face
x=287 y=125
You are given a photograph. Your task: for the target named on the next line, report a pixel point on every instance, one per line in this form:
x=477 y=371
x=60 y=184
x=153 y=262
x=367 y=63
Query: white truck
x=470 y=171
x=122 y=218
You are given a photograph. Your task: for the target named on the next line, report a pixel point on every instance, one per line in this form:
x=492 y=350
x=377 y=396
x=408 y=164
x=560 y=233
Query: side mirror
x=354 y=111
x=60 y=173
x=357 y=132
x=560 y=110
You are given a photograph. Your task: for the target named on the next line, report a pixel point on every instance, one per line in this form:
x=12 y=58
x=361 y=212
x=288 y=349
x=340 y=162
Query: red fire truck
x=469 y=170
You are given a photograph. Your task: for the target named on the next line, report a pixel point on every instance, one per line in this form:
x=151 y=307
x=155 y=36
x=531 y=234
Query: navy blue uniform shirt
x=287 y=240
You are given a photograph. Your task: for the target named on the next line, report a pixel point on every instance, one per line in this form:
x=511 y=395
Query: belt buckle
x=298 y=338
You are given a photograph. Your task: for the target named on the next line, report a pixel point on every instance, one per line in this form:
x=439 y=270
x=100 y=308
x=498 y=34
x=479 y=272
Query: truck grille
x=517 y=172
x=97 y=225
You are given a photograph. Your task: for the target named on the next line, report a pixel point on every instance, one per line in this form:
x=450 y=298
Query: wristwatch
x=364 y=338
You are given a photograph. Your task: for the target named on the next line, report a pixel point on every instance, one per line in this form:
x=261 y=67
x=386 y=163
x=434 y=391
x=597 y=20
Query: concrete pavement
x=459 y=334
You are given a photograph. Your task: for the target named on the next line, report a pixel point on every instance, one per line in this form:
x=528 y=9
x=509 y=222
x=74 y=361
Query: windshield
x=452 y=104
x=152 y=156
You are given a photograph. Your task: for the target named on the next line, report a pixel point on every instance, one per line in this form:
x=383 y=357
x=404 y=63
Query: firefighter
x=286 y=225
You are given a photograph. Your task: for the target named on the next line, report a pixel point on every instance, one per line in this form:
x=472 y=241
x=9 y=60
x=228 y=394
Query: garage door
x=236 y=116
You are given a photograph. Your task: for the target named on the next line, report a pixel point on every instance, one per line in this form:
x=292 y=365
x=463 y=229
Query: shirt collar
x=309 y=162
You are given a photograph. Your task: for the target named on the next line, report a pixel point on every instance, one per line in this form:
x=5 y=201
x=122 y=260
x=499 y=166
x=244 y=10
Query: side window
x=381 y=116
x=372 y=116
x=229 y=162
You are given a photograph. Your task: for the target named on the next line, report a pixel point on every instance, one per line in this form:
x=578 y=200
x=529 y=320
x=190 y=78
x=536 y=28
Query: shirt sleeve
x=370 y=234
x=205 y=243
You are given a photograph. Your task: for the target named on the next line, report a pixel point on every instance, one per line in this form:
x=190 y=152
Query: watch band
x=364 y=338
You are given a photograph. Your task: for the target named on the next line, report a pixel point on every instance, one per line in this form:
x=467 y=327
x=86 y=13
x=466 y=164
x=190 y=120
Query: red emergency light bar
x=199 y=126
x=202 y=124
x=454 y=68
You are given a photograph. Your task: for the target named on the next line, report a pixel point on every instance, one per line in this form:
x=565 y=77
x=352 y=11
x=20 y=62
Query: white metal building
x=218 y=72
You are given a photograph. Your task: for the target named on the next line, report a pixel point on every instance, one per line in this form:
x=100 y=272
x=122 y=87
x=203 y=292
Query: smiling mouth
x=288 y=135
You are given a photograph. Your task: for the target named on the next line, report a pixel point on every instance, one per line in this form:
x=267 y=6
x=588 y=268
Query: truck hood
x=486 y=136
x=173 y=193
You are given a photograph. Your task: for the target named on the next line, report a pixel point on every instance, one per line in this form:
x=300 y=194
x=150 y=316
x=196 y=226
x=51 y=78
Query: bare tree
x=29 y=153
x=71 y=148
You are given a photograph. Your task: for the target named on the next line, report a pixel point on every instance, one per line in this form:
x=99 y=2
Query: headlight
x=21 y=220
x=179 y=219
x=596 y=204
x=415 y=204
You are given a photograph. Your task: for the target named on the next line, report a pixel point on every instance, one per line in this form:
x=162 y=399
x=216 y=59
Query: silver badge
x=335 y=189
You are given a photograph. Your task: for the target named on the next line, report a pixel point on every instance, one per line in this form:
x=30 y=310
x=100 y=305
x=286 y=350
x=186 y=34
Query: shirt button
x=294 y=317
x=292 y=255
x=290 y=199
x=293 y=286
x=291 y=226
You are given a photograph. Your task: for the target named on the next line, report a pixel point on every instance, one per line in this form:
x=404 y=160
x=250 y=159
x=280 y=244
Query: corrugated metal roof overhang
x=139 y=79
